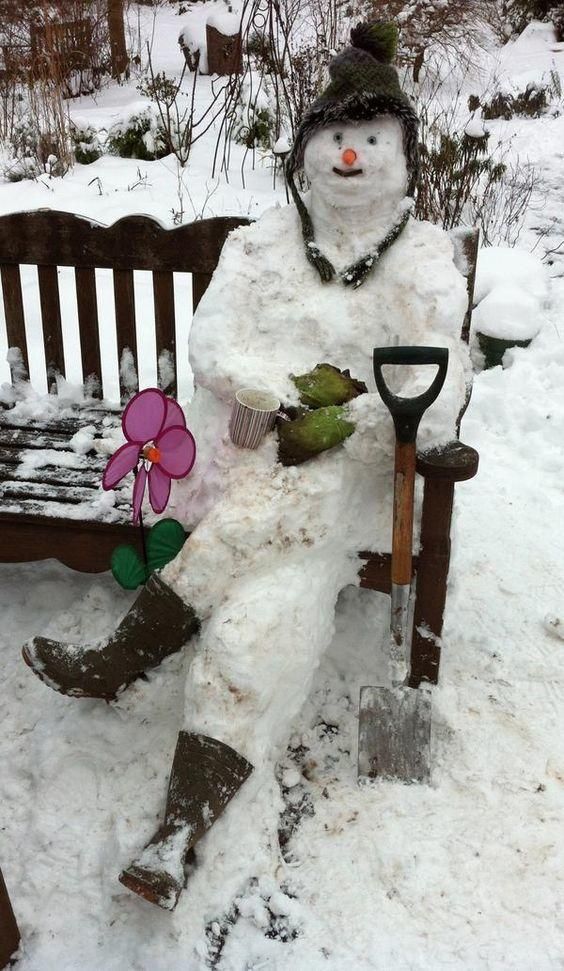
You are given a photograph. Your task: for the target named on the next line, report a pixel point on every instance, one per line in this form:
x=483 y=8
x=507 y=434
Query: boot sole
x=145 y=883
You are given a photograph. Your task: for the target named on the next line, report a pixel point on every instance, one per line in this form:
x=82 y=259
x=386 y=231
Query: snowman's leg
x=258 y=655
x=260 y=649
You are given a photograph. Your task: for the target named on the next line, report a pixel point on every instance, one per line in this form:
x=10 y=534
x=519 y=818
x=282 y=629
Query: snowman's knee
x=258 y=655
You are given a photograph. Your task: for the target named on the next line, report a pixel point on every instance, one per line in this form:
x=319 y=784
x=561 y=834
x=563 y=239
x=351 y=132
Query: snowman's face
x=357 y=163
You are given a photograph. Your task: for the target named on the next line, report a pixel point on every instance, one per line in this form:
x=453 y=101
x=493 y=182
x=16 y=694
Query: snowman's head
x=358 y=163
x=358 y=141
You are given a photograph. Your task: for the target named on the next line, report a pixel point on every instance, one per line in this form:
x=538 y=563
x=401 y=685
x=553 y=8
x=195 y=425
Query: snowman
x=297 y=303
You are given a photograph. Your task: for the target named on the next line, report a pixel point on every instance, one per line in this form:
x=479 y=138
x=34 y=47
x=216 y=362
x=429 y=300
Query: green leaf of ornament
x=164 y=542
x=128 y=568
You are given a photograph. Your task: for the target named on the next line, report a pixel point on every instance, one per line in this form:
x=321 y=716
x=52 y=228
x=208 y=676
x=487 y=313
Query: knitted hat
x=363 y=85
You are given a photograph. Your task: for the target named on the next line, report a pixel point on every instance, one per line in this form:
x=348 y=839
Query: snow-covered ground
x=466 y=873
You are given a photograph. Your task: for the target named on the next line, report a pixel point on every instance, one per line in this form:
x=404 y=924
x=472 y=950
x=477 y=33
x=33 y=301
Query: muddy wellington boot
x=205 y=776
x=157 y=624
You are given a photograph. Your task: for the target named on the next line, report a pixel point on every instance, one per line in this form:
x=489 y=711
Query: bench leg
x=9 y=933
x=431 y=583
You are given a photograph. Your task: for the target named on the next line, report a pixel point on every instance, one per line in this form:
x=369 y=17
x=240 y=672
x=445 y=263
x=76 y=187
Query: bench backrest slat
x=165 y=326
x=14 y=311
x=124 y=300
x=51 y=319
x=87 y=307
x=200 y=283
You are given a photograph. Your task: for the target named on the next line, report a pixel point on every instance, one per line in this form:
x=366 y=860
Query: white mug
x=254 y=414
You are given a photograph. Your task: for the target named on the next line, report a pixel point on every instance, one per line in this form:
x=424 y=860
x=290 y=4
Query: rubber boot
x=157 y=624
x=205 y=776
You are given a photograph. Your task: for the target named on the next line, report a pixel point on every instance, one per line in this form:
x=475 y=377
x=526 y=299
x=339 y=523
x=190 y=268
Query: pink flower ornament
x=158 y=446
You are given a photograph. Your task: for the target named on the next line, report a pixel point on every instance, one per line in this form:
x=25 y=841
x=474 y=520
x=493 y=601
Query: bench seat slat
x=14 y=312
x=52 y=325
x=24 y=490
x=31 y=438
x=49 y=474
x=101 y=418
x=57 y=509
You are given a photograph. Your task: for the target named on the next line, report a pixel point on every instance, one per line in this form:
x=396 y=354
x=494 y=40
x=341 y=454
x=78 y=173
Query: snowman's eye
x=372 y=139
x=338 y=138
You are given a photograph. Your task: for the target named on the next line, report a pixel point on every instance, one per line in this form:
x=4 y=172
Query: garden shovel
x=395 y=723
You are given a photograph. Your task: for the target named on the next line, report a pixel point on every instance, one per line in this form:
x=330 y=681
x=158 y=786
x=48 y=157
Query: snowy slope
x=467 y=873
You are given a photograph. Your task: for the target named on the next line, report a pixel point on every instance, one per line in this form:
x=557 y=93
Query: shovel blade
x=394 y=736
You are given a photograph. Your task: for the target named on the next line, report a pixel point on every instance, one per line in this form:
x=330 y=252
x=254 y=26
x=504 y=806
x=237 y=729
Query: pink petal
x=174 y=415
x=122 y=462
x=178 y=452
x=159 y=488
x=139 y=492
x=144 y=416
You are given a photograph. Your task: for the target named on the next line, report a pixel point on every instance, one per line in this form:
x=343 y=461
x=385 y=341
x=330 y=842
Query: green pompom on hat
x=363 y=85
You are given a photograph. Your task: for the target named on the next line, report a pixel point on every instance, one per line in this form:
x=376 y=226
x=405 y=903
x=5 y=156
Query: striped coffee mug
x=254 y=414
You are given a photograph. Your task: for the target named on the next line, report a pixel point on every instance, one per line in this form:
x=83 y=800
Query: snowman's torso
x=267 y=315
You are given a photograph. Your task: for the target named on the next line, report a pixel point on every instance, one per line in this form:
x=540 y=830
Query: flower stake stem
x=143 y=539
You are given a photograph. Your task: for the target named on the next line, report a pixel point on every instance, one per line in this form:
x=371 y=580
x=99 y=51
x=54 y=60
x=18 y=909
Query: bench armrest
x=455 y=462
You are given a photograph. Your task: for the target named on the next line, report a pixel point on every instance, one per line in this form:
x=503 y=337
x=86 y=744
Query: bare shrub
x=448 y=27
x=465 y=180
x=181 y=125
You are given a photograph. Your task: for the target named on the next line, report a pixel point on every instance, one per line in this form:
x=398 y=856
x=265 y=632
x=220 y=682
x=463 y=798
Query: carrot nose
x=349 y=156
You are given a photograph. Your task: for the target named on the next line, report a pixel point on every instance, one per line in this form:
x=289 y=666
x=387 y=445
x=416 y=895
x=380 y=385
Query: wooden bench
x=43 y=480
x=9 y=933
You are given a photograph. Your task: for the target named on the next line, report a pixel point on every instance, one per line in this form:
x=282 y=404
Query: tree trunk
x=116 y=29
x=418 y=64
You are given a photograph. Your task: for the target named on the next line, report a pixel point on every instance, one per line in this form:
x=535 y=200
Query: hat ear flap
x=314 y=255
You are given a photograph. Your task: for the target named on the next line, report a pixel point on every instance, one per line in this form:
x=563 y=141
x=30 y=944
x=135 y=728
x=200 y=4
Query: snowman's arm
x=229 y=347
x=434 y=301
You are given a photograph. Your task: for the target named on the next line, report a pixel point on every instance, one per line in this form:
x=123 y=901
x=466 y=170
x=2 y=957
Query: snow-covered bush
x=464 y=179
x=515 y=15
x=519 y=13
x=138 y=136
x=180 y=122
x=556 y=15
x=532 y=102
x=85 y=143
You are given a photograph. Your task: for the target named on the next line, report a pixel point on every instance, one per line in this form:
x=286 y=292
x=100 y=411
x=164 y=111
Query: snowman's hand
x=313 y=433
x=327 y=385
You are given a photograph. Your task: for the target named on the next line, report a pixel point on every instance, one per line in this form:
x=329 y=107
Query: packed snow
x=465 y=873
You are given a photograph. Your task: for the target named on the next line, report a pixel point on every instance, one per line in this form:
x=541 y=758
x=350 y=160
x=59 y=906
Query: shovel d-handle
x=407 y=414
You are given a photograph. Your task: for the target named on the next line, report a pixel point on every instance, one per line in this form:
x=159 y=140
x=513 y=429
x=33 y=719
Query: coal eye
x=372 y=139
x=338 y=137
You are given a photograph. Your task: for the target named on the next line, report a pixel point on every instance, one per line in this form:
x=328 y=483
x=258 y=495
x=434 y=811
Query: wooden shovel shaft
x=404 y=488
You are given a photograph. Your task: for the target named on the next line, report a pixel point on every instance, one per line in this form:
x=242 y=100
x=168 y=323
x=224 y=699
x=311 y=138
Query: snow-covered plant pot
x=493 y=348
x=506 y=317
x=511 y=295
x=223 y=37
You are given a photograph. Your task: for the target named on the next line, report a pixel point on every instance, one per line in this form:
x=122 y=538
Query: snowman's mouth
x=348 y=174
